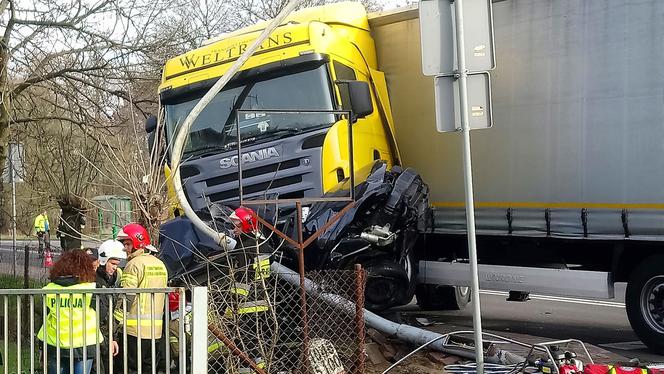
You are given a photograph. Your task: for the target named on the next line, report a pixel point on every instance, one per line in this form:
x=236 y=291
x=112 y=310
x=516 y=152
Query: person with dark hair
x=94 y=255
x=71 y=323
x=110 y=254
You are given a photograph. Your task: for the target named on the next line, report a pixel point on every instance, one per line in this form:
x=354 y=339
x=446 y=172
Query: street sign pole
x=458 y=88
x=462 y=75
x=12 y=176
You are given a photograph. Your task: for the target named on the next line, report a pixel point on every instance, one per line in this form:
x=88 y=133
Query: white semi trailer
x=569 y=183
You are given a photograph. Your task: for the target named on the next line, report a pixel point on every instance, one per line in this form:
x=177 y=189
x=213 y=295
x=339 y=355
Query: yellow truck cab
x=294 y=155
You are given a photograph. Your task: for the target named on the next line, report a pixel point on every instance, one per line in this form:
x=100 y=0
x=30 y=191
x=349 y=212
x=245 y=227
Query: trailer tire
x=435 y=297
x=644 y=302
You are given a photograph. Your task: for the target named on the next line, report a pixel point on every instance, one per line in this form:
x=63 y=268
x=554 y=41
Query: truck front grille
x=284 y=180
x=248 y=173
x=255 y=188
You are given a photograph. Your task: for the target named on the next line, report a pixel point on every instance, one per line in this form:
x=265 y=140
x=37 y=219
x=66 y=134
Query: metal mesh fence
x=33 y=265
x=344 y=328
x=257 y=322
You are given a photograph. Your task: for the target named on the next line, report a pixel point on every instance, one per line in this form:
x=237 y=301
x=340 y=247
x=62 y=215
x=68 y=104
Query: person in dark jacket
x=110 y=255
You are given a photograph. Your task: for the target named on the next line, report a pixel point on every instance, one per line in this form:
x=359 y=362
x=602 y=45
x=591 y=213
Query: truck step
x=563 y=282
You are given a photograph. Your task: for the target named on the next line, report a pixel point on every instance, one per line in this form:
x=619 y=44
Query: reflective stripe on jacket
x=143 y=271
x=73 y=314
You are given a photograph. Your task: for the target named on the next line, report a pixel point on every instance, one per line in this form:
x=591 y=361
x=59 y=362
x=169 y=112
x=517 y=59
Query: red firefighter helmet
x=245 y=219
x=138 y=235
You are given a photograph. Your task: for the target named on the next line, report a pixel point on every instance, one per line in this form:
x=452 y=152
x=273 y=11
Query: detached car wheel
x=644 y=302
x=435 y=297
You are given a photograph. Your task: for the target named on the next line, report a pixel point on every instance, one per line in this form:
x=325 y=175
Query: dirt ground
x=418 y=363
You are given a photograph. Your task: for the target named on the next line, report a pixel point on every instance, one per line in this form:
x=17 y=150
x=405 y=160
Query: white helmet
x=111 y=249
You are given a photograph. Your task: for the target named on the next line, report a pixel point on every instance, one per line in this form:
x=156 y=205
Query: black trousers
x=145 y=359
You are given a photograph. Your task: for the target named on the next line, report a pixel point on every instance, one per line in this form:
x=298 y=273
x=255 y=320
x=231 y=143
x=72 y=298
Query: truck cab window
x=344 y=72
x=215 y=128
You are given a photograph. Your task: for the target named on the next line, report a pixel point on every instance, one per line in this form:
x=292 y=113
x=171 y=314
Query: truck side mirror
x=150 y=123
x=359 y=96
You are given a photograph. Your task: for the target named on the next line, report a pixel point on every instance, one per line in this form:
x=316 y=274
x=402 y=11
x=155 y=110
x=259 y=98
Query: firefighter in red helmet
x=143 y=320
x=245 y=220
x=248 y=310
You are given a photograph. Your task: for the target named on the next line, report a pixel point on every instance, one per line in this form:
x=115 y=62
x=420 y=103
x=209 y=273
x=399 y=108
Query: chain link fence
x=343 y=328
x=257 y=322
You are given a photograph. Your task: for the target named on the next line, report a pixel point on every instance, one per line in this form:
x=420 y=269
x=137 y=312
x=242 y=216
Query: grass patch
x=8 y=281
x=10 y=358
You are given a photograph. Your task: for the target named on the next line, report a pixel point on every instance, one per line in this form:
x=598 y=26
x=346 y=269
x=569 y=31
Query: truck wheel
x=644 y=302
x=435 y=297
x=411 y=272
x=387 y=285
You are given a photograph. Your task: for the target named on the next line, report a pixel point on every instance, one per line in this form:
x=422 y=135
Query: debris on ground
x=382 y=352
x=418 y=363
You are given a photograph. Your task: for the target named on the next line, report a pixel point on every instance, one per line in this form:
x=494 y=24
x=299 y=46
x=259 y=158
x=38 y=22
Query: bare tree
x=56 y=155
x=72 y=62
x=252 y=11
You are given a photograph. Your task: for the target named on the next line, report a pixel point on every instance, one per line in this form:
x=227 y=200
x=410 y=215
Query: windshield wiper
x=201 y=151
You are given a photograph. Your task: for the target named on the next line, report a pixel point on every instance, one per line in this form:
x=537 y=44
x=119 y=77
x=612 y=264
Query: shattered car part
x=378 y=232
x=378 y=235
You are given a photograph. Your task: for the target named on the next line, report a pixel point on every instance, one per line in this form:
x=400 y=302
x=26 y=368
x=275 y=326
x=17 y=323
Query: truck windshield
x=215 y=128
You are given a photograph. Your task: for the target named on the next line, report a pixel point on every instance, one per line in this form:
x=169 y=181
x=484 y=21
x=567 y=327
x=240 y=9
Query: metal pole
x=199 y=333
x=12 y=176
x=468 y=185
x=100 y=219
x=359 y=317
x=114 y=229
x=303 y=293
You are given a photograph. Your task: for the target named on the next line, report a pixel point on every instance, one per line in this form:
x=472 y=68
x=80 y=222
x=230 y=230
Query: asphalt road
x=600 y=322
x=6 y=254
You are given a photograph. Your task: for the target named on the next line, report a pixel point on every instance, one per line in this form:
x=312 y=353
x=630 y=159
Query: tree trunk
x=5 y=105
x=4 y=139
x=70 y=223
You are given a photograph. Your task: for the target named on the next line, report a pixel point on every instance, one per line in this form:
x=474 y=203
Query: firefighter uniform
x=143 y=317
x=242 y=309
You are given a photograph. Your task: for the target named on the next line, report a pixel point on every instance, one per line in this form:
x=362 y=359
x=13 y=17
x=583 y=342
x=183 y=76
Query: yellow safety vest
x=40 y=223
x=69 y=333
